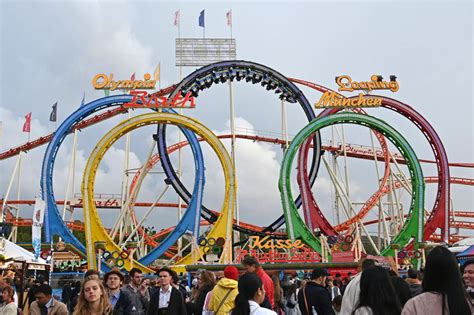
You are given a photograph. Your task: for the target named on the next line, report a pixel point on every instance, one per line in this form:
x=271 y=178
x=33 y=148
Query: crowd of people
x=440 y=288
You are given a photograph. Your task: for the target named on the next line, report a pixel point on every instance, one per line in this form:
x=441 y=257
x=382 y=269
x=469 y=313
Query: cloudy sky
x=52 y=49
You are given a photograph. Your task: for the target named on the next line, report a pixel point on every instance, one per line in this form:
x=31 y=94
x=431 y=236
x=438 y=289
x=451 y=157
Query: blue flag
x=201 y=19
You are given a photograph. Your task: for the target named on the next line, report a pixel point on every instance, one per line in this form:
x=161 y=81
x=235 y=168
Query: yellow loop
x=95 y=231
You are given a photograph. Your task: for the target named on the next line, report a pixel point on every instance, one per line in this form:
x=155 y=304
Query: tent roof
x=468 y=252
x=16 y=252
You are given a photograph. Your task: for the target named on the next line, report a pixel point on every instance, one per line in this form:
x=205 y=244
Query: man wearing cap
x=251 y=264
x=314 y=297
x=120 y=300
x=225 y=291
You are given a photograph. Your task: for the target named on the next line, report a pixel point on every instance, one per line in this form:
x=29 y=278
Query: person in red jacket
x=251 y=264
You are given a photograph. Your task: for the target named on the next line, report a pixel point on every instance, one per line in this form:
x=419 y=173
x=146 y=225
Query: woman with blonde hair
x=92 y=299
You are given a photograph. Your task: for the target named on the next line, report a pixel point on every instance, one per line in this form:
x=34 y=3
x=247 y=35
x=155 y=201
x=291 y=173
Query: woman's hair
x=249 y=283
x=442 y=275
x=82 y=307
x=207 y=278
x=10 y=291
x=277 y=290
x=402 y=289
x=291 y=290
x=377 y=292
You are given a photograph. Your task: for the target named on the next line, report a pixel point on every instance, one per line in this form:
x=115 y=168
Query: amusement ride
x=402 y=233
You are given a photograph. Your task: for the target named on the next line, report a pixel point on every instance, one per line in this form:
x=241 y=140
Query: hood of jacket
x=227 y=283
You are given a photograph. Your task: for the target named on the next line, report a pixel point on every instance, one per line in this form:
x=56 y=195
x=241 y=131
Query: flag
x=156 y=75
x=132 y=78
x=83 y=99
x=52 y=116
x=229 y=18
x=176 y=18
x=106 y=92
x=201 y=19
x=27 y=124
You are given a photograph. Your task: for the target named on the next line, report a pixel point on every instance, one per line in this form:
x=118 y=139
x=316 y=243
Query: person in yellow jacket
x=225 y=291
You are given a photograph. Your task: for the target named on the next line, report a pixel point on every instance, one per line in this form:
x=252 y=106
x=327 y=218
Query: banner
x=38 y=216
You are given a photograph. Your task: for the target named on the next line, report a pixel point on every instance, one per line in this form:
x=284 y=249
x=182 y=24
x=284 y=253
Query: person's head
x=174 y=277
x=113 y=279
x=43 y=294
x=338 y=275
x=250 y=263
x=92 y=297
x=136 y=276
x=7 y=294
x=412 y=274
x=231 y=272
x=319 y=275
x=366 y=264
x=219 y=275
x=92 y=273
x=337 y=303
x=442 y=275
x=10 y=274
x=468 y=273
x=165 y=276
x=206 y=278
x=377 y=292
x=250 y=288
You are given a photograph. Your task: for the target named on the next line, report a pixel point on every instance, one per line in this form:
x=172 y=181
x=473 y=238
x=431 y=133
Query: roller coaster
x=408 y=233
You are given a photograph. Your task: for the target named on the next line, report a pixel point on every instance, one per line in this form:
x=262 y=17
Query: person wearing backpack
x=225 y=291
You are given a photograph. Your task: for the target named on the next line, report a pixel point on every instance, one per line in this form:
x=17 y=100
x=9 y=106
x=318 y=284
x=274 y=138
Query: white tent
x=10 y=250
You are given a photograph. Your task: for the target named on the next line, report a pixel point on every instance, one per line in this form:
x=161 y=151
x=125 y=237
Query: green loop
x=295 y=226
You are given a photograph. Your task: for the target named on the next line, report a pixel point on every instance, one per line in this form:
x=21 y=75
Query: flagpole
x=180 y=166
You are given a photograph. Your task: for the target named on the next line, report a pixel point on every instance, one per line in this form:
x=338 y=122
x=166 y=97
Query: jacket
x=267 y=285
x=415 y=286
x=316 y=296
x=123 y=305
x=139 y=302
x=57 y=308
x=221 y=289
x=350 y=298
x=427 y=303
x=198 y=305
x=175 y=307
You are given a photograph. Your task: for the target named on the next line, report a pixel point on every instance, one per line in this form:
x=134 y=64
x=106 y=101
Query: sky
x=52 y=49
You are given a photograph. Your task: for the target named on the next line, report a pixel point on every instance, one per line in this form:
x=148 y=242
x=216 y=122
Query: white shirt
x=255 y=309
x=350 y=299
x=165 y=297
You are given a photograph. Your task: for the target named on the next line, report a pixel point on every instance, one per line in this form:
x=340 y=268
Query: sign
x=38 y=216
x=103 y=82
x=267 y=250
x=376 y=83
x=192 y=52
x=346 y=84
x=142 y=99
x=274 y=256
x=333 y=99
x=265 y=243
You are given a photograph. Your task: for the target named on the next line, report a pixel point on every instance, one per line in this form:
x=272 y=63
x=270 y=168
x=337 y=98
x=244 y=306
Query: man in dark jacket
x=413 y=283
x=120 y=300
x=167 y=300
x=315 y=296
